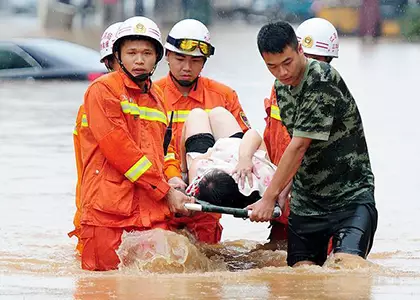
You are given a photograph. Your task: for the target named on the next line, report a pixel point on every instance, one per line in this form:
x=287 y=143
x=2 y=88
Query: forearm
x=287 y=168
x=284 y=196
x=250 y=143
x=287 y=189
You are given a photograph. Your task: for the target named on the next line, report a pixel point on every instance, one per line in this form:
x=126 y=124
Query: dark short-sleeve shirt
x=335 y=170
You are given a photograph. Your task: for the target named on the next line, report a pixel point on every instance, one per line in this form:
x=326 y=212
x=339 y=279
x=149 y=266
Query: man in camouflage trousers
x=327 y=158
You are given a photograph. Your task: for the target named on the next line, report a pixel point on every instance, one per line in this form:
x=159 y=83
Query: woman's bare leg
x=197 y=122
x=223 y=123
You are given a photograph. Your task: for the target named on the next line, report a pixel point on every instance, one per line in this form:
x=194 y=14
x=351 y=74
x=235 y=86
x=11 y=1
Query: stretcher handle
x=236 y=212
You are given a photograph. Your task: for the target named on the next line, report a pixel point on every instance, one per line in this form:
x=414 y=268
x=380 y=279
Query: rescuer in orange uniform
x=123 y=186
x=188 y=46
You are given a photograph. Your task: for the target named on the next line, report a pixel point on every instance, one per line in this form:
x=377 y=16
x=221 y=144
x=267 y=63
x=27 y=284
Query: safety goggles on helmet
x=189 y=45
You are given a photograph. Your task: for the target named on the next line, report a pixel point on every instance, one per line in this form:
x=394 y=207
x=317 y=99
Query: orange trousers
x=205 y=227
x=99 y=245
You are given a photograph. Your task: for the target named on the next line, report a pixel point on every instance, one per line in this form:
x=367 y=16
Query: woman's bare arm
x=250 y=143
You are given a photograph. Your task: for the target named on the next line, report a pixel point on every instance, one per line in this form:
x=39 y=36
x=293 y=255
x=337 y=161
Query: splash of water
x=161 y=251
x=244 y=255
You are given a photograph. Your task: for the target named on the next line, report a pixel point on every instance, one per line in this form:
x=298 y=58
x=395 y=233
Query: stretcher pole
x=236 y=212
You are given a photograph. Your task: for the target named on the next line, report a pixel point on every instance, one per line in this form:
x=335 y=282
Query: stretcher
x=236 y=212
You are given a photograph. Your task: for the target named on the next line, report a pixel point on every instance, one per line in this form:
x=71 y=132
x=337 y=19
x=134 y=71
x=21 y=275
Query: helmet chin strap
x=139 y=78
x=185 y=83
x=143 y=77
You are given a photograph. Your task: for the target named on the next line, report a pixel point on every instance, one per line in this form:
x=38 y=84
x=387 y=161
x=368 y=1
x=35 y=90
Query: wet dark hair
x=275 y=37
x=219 y=188
x=108 y=61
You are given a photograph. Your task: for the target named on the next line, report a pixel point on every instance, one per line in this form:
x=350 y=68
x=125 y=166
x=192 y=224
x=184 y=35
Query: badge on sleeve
x=244 y=119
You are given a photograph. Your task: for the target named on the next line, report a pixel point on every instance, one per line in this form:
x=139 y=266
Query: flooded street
x=38 y=178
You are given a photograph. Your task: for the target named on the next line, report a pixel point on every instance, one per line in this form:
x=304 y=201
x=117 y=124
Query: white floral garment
x=224 y=157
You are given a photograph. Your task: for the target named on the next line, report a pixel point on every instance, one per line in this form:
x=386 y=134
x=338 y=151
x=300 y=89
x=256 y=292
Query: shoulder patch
x=244 y=119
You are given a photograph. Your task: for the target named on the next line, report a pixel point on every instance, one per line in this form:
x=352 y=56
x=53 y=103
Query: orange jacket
x=81 y=121
x=122 y=181
x=207 y=94
x=276 y=137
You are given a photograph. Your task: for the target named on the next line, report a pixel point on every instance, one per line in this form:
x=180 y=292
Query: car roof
x=31 y=40
x=51 y=52
x=28 y=41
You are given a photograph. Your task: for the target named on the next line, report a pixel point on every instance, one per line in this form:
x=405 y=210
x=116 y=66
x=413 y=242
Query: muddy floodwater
x=38 y=176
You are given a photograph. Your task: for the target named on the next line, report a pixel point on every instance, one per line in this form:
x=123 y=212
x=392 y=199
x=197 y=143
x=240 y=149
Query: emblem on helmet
x=307 y=42
x=139 y=28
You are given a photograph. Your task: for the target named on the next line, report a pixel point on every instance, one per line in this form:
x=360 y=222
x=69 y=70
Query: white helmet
x=189 y=29
x=108 y=39
x=318 y=37
x=141 y=27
